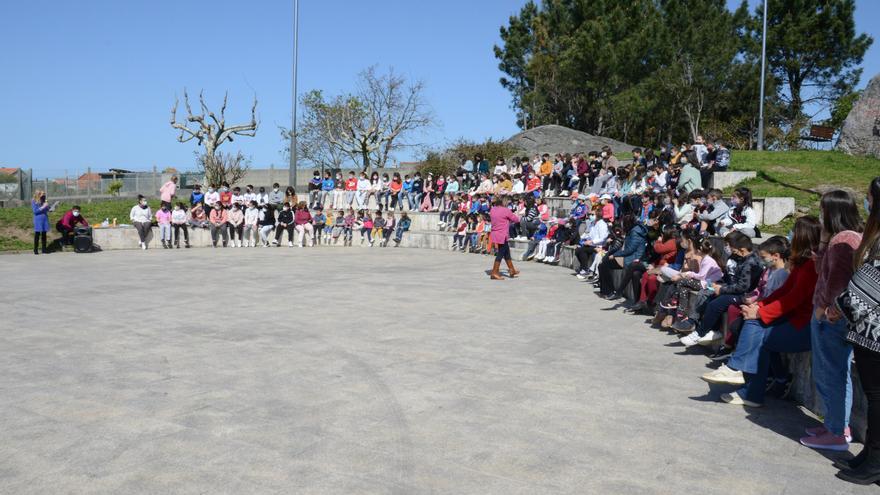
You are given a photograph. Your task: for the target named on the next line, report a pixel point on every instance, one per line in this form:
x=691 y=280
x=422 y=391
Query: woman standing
x=141 y=218
x=832 y=354
x=501 y=217
x=859 y=303
x=41 y=219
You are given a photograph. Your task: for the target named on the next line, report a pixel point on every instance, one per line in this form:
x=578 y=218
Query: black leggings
x=39 y=238
x=868 y=365
x=502 y=252
x=632 y=274
x=606 y=268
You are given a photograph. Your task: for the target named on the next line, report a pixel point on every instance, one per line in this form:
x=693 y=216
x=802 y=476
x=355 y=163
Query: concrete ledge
x=724 y=180
x=774 y=210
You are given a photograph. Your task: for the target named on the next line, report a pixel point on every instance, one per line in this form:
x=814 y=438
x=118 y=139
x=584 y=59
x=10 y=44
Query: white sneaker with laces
x=725 y=375
x=690 y=339
x=289 y=244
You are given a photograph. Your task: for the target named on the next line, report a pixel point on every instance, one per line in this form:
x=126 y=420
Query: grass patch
x=804 y=176
x=17 y=224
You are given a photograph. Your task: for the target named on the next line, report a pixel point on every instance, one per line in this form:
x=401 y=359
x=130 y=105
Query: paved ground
x=359 y=371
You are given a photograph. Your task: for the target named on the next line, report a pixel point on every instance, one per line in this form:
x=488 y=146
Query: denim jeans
x=752 y=354
x=349 y=198
x=832 y=356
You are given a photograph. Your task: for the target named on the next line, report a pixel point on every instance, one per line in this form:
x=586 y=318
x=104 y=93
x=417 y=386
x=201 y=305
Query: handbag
x=860 y=306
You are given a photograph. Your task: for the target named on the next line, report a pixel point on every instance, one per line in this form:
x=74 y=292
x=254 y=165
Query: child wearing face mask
x=251 y=224
x=285 y=223
x=212 y=198
x=178 y=223
x=249 y=195
x=267 y=223
x=276 y=197
x=225 y=195
x=236 y=225
x=141 y=217
x=319 y=220
x=163 y=218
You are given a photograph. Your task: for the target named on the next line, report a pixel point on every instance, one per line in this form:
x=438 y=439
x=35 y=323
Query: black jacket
x=285 y=217
x=745 y=277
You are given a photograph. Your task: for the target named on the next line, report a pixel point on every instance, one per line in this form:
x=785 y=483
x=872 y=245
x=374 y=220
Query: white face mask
x=76 y=213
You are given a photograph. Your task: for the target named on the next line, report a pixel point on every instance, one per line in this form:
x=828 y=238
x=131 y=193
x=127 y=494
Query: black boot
x=868 y=471
x=853 y=463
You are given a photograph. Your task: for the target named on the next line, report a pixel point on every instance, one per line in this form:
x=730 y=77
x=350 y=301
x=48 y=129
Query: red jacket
x=666 y=250
x=794 y=300
x=68 y=221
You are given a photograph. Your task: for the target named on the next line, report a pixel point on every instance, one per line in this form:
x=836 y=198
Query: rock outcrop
x=861 y=130
x=558 y=139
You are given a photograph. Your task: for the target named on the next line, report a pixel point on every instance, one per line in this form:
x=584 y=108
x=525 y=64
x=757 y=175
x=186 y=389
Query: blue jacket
x=407 y=185
x=41 y=216
x=328 y=185
x=634 y=245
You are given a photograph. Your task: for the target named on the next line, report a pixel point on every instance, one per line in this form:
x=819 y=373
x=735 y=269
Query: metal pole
x=763 y=75
x=293 y=164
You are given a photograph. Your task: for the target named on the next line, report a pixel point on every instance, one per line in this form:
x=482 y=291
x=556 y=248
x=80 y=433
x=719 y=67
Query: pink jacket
x=501 y=217
x=163 y=216
x=168 y=190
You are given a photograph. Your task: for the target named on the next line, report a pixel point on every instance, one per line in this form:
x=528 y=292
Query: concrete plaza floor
x=358 y=371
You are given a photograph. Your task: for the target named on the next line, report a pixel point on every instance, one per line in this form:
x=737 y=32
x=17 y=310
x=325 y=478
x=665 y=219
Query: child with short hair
x=378 y=226
x=402 y=226
x=236 y=225
x=338 y=226
x=163 y=218
x=459 y=237
x=266 y=222
x=348 y=227
x=320 y=222
x=178 y=222
x=390 y=225
x=251 y=219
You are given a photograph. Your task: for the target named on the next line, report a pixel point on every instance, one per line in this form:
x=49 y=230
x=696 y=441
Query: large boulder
x=558 y=139
x=861 y=130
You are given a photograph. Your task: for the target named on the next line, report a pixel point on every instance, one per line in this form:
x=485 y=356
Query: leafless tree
x=210 y=131
x=373 y=124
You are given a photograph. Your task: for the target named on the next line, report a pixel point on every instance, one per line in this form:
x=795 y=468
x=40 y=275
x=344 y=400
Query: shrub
x=114 y=187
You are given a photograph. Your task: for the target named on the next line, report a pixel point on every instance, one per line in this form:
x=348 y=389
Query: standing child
x=251 y=224
x=178 y=222
x=163 y=218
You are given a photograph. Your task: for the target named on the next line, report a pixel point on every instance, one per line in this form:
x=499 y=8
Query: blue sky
x=91 y=83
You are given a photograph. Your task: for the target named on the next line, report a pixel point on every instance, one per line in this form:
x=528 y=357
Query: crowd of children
x=650 y=230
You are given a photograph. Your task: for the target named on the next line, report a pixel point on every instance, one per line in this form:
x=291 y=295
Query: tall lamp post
x=293 y=164
x=763 y=71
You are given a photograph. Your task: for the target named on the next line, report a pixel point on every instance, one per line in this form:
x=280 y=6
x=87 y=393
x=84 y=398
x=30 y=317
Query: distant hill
x=558 y=139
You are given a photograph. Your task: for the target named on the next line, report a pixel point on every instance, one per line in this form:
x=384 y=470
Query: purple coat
x=501 y=216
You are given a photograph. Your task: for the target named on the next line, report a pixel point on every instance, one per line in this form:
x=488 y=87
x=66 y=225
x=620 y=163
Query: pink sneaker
x=826 y=441
x=821 y=430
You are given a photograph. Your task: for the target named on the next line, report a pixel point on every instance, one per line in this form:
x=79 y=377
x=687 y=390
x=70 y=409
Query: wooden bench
x=819 y=134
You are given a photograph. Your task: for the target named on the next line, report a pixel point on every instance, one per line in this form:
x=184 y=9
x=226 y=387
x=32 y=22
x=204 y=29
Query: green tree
x=813 y=51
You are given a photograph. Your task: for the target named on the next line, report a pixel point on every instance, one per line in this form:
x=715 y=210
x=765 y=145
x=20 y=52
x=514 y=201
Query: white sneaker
x=710 y=338
x=725 y=375
x=144 y=246
x=289 y=244
x=690 y=339
x=582 y=275
x=736 y=400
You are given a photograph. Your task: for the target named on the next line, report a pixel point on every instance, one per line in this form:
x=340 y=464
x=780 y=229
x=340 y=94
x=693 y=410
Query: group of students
x=707 y=280
x=260 y=225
